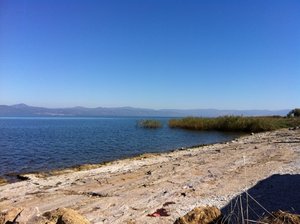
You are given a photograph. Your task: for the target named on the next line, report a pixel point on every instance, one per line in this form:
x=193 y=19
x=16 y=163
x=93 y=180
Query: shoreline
x=126 y=190
x=17 y=177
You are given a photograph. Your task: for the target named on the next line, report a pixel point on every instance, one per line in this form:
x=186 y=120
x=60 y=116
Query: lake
x=48 y=143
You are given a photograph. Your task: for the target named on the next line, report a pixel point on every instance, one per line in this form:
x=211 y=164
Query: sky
x=158 y=54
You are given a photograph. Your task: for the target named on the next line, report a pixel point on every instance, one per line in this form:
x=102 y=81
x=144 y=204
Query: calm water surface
x=42 y=144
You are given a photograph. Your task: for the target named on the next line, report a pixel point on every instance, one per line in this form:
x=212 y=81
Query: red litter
x=159 y=212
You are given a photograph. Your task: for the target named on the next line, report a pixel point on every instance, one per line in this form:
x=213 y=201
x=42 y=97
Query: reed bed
x=150 y=124
x=234 y=123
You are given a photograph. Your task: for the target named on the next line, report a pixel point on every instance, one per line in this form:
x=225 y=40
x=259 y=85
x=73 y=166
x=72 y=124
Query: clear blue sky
x=151 y=53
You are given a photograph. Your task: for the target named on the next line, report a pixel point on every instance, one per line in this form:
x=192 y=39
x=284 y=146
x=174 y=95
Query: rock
x=2 y=181
x=22 y=177
x=40 y=220
x=281 y=217
x=65 y=216
x=9 y=216
x=27 y=215
x=31 y=215
x=72 y=217
x=201 y=215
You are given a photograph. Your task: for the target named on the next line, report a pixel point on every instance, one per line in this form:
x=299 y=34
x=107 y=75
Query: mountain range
x=32 y=111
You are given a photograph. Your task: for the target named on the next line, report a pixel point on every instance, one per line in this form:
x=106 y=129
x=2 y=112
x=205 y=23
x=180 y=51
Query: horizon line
x=117 y=107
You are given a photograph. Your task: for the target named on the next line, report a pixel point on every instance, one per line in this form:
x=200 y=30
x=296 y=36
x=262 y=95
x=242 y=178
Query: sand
x=127 y=191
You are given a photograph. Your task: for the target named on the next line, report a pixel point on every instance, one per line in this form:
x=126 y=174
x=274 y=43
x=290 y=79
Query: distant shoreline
x=26 y=110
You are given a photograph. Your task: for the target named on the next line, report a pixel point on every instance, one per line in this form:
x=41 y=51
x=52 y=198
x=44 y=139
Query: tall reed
x=234 y=123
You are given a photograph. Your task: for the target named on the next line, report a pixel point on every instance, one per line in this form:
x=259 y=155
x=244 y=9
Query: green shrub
x=294 y=113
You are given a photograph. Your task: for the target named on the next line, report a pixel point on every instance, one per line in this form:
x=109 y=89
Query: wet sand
x=126 y=191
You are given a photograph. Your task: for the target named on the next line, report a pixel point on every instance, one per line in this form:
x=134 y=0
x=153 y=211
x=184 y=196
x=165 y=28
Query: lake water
x=43 y=144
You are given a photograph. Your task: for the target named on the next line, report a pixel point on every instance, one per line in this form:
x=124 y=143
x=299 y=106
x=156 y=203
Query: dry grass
x=280 y=217
x=234 y=123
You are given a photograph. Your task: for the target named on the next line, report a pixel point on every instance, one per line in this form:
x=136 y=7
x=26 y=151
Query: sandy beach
x=127 y=191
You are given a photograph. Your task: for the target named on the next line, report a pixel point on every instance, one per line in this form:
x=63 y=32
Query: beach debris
x=148 y=172
x=134 y=208
x=96 y=208
x=294 y=128
x=58 y=183
x=159 y=212
x=183 y=194
x=172 y=182
x=281 y=217
x=95 y=194
x=203 y=215
x=168 y=203
x=188 y=186
x=211 y=175
x=3 y=199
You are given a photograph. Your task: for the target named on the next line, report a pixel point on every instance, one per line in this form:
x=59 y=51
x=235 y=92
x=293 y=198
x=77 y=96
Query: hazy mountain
x=25 y=110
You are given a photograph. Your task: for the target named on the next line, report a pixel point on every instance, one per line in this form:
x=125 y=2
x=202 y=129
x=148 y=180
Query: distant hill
x=30 y=111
